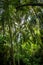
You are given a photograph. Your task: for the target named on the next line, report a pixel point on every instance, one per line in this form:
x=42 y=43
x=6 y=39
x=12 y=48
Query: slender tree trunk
x=18 y=53
x=11 y=50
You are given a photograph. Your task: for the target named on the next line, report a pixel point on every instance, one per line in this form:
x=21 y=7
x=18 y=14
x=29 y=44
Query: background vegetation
x=21 y=33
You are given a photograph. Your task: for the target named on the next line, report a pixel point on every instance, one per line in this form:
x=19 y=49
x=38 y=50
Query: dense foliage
x=21 y=33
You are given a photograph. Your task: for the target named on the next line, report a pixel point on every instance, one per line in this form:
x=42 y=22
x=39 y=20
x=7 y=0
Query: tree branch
x=30 y=4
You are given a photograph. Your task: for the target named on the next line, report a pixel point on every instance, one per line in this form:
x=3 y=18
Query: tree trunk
x=11 y=50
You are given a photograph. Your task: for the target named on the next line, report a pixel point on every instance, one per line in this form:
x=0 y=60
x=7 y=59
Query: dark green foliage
x=21 y=33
